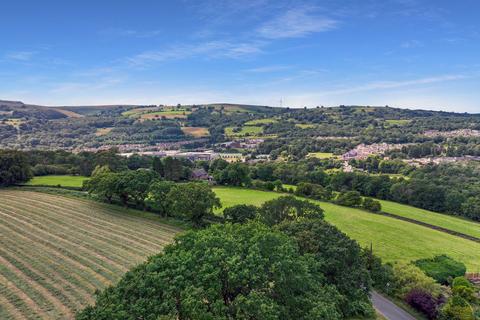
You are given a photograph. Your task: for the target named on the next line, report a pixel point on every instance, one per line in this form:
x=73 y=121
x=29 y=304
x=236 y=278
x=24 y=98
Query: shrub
x=409 y=277
x=461 y=281
x=457 y=308
x=240 y=213
x=349 y=199
x=312 y=190
x=371 y=205
x=424 y=302
x=442 y=268
x=288 y=208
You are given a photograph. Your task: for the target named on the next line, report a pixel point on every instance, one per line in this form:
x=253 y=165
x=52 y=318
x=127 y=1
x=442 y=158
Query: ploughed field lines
x=55 y=252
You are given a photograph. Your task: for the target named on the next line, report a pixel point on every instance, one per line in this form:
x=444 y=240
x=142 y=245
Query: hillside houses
x=363 y=151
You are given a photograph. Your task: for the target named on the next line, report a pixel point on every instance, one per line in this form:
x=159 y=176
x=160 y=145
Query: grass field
x=56 y=251
x=197 y=132
x=398 y=122
x=392 y=239
x=442 y=220
x=245 y=131
x=320 y=155
x=103 y=131
x=257 y=122
x=173 y=114
x=64 y=181
x=305 y=125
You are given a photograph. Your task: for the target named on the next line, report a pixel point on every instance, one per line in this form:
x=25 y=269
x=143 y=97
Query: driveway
x=388 y=309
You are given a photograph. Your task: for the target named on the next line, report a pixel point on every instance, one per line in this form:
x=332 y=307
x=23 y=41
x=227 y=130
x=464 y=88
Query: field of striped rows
x=55 y=252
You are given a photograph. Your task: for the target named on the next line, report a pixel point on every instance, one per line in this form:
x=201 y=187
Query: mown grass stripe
x=49 y=262
x=96 y=278
x=66 y=249
x=7 y=309
x=86 y=247
x=105 y=272
x=34 y=301
x=52 y=290
x=75 y=232
x=131 y=215
x=62 y=284
x=89 y=210
x=135 y=244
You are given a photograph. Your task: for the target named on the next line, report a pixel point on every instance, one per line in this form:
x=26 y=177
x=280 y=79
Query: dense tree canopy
x=14 y=168
x=224 y=272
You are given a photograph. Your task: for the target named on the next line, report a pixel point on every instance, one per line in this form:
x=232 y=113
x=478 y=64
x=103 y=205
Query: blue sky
x=406 y=53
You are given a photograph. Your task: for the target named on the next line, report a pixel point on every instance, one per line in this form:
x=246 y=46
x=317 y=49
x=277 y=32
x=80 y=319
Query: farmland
x=392 y=239
x=244 y=131
x=320 y=155
x=259 y=122
x=441 y=220
x=64 y=181
x=196 y=132
x=55 y=252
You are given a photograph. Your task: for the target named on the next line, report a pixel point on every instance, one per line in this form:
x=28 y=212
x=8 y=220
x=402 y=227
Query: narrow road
x=388 y=309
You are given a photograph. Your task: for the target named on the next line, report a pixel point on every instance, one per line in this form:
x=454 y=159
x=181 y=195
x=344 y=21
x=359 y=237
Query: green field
x=245 y=131
x=55 y=252
x=305 y=125
x=442 y=220
x=320 y=155
x=398 y=122
x=257 y=122
x=392 y=239
x=64 y=181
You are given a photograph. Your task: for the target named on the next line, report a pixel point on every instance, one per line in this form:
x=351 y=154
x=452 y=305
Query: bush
x=240 y=213
x=14 y=168
x=312 y=190
x=349 y=199
x=457 y=308
x=46 y=169
x=461 y=281
x=288 y=208
x=442 y=268
x=424 y=302
x=409 y=277
x=371 y=205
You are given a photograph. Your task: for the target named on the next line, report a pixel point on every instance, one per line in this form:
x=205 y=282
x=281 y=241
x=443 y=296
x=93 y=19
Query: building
x=201 y=174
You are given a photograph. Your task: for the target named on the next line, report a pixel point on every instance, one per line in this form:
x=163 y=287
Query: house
x=201 y=174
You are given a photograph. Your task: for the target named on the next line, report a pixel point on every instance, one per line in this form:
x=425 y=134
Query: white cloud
x=268 y=69
x=20 y=55
x=298 y=22
x=211 y=49
x=118 y=32
x=380 y=85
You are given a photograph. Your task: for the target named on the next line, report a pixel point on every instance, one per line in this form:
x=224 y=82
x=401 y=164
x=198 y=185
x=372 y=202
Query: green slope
x=392 y=239
x=442 y=220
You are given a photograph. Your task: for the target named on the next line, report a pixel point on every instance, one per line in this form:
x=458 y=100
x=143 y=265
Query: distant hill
x=91 y=110
x=18 y=109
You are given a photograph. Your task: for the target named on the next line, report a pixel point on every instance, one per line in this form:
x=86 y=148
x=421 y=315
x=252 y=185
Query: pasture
x=305 y=125
x=173 y=114
x=103 y=131
x=392 y=239
x=320 y=155
x=437 y=219
x=397 y=122
x=63 y=181
x=260 y=122
x=196 y=132
x=244 y=131
x=55 y=252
